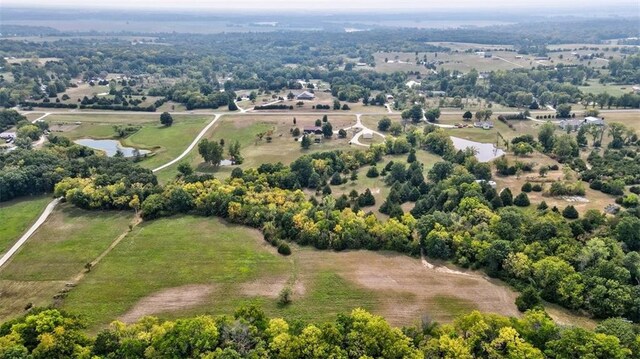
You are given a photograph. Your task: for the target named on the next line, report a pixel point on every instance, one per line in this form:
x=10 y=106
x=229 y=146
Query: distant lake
x=110 y=147
x=485 y=152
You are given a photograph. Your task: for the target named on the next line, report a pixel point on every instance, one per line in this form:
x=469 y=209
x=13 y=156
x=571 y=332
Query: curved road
x=363 y=129
x=191 y=146
x=43 y=217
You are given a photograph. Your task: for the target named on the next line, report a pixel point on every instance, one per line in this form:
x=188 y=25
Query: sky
x=395 y=5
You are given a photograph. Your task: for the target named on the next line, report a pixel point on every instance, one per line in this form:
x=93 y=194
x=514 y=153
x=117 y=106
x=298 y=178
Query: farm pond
x=110 y=147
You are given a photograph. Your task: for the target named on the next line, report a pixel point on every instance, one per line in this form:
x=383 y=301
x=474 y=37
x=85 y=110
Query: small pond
x=110 y=147
x=485 y=152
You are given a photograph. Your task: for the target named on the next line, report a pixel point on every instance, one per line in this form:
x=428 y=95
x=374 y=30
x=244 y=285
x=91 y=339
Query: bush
x=284 y=297
x=284 y=249
x=521 y=200
x=527 y=187
x=372 y=172
x=528 y=299
x=536 y=187
x=570 y=212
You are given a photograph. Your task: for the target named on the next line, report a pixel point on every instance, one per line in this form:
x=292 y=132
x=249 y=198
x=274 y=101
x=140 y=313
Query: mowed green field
x=17 y=216
x=614 y=90
x=55 y=255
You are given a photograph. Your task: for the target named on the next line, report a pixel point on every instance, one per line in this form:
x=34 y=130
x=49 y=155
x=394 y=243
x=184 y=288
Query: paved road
x=191 y=146
x=267 y=113
x=29 y=233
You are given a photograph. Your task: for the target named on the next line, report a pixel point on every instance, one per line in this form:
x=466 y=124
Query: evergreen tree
x=506 y=197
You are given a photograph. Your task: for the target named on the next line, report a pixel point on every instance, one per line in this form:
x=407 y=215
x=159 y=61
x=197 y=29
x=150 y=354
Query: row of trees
x=249 y=333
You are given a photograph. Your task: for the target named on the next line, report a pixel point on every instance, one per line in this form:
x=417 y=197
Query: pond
x=485 y=152
x=110 y=147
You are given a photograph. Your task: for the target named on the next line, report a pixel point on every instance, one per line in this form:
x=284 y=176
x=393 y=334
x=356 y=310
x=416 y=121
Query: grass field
x=597 y=88
x=55 y=254
x=282 y=147
x=166 y=143
x=216 y=266
x=18 y=215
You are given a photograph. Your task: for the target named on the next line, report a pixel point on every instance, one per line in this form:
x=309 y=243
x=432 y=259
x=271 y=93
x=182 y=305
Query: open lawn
x=190 y=265
x=17 y=216
x=614 y=90
x=167 y=143
x=55 y=254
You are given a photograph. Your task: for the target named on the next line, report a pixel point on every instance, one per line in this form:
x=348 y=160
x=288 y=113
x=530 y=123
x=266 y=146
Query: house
x=306 y=96
x=487 y=55
x=367 y=135
x=412 y=84
x=8 y=137
x=593 y=121
x=316 y=130
x=636 y=89
x=389 y=97
x=576 y=123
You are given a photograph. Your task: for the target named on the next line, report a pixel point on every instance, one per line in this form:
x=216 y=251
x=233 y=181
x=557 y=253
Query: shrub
x=284 y=249
x=527 y=187
x=536 y=187
x=284 y=297
x=528 y=299
x=372 y=172
x=570 y=212
x=521 y=200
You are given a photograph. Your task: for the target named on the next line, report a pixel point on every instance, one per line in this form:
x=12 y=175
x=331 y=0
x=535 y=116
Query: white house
x=305 y=96
x=412 y=84
x=575 y=123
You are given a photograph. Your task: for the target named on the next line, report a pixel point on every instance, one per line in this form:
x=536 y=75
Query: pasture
x=55 y=255
x=217 y=266
x=18 y=215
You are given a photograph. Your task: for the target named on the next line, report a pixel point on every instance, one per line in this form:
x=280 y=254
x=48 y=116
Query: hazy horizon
x=353 y=5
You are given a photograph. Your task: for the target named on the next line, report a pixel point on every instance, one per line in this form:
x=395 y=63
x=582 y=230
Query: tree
x=384 y=124
x=522 y=149
x=336 y=105
x=546 y=136
x=185 y=169
x=372 y=172
x=565 y=148
x=467 y=116
x=234 y=152
x=506 y=197
x=563 y=110
x=628 y=232
x=305 y=142
x=327 y=130
x=211 y=152
x=570 y=212
x=166 y=119
x=412 y=156
x=395 y=129
x=432 y=114
x=232 y=105
x=342 y=133
x=521 y=200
